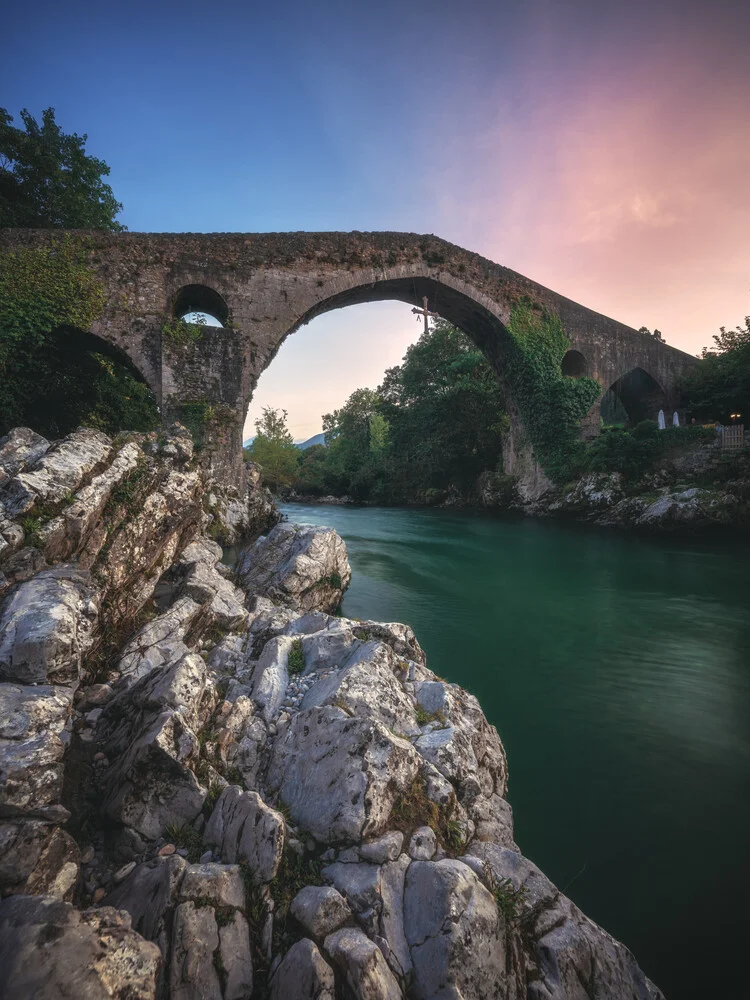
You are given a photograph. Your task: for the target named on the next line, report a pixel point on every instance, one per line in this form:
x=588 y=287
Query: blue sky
x=601 y=148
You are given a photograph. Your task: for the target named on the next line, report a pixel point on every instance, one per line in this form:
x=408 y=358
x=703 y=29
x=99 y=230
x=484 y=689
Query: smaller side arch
x=199 y=299
x=574 y=364
x=633 y=397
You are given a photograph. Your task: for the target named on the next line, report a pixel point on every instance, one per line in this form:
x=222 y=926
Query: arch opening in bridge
x=199 y=303
x=458 y=307
x=574 y=364
x=633 y=397
x=82 y=379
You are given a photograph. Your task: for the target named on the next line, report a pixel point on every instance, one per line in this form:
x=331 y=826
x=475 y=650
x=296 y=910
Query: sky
x=600 y=148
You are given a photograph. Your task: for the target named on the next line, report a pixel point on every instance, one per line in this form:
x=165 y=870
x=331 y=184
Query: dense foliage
x=551 y=404
x=436 y=423
x=273 y=448
x=634 y=452
x=720 y=385
x=47 y=180
x=52 y=378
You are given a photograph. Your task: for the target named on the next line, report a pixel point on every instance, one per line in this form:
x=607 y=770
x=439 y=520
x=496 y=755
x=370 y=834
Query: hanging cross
x=424 y=311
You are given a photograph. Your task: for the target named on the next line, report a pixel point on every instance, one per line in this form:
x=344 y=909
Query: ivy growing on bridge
x=551 y=404
x=48 y=380
x=45 y=288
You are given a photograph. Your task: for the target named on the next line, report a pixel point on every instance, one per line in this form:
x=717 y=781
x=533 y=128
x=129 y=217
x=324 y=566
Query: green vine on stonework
x=198 y=414
x=551 y=404
x=44 y=288
x=179 y=332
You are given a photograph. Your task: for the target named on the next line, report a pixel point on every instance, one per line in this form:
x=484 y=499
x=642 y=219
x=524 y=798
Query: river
x=617 y=671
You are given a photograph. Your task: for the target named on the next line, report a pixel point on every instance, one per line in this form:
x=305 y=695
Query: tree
x=48 y=181
x=274 y=449
x=720 y=385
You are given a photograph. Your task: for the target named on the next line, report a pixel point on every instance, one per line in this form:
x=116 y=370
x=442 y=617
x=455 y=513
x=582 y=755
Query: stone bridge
x=264 y=286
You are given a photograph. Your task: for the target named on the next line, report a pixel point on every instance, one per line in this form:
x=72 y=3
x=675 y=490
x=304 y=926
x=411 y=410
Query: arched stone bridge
x=263 y=286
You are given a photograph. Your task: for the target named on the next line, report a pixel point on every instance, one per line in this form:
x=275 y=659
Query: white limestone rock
x=562 y=953
x=68 y=532
x=206 y=585
x=367 y=686
x=455 y=934
x=340 y=776
x=195 y=940
x=243 y=827
x=32 y=720
x=270 y=677
x=320 y=909
x=423 y=844
x=46 y=626
x=303 y=975
x=385 y=848
x=160 y=642
x=20 y=448
x=302 y=566
x=50 y=950
x=363 y=965
x=61 y=470
x=152 y=784
x=392 y=930
x=219 y=885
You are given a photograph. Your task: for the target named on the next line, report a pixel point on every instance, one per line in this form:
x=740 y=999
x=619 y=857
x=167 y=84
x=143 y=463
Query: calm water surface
x=617 y=671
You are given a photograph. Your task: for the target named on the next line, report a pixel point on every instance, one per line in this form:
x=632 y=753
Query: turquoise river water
x=617 y=671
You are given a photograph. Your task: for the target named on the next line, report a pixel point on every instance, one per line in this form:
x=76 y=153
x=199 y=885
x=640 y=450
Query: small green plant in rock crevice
x=413 y=808
x=509 y=899
x=296 y=659
x=187 y=837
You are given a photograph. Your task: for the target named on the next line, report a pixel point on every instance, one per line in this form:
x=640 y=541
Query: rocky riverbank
x=211 y=786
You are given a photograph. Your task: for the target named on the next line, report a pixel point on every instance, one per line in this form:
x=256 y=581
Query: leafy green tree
x=446 y=412
x=720 y=385
x=274 y=449
x=47 y=180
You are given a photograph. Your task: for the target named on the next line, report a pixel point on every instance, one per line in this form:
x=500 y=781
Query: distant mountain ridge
x=317 y=439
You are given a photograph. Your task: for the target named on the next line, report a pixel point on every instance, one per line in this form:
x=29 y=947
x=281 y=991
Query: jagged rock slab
x=32 y=720
x=302 y=566
x=46 y=626
x=160 y=642
x=366 y=685
x=206 y=585
x=20 y=448
x=243 y=827
x=563 y=953
x=303 y=975
x=49 y=950
x=455 y=933
x=339 y=776
x=363 y=965
x=152 y=784
x=61 y=470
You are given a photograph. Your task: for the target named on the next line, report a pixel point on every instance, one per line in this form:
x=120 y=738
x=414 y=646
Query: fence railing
x=733 y=437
